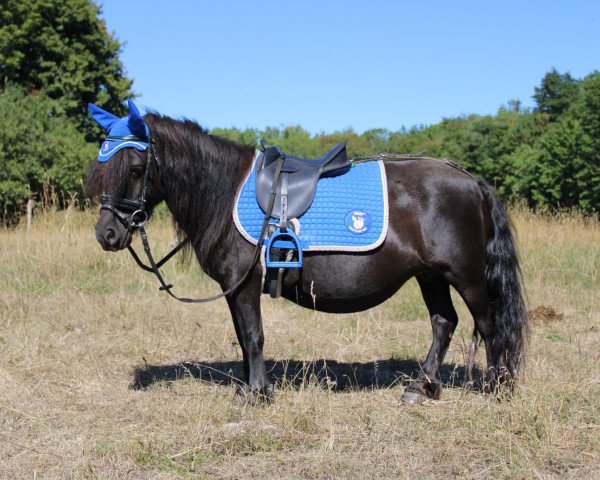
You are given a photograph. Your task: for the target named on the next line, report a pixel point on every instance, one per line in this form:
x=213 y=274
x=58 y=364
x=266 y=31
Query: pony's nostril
x=110 y=234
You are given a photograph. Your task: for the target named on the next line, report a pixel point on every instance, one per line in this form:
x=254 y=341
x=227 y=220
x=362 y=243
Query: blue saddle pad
x=349 y=212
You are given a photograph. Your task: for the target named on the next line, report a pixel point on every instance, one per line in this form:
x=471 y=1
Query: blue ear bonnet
x=126 y=132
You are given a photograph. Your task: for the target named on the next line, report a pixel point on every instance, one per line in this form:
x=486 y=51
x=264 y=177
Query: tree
x=556 y=93
x=63 y=48
x=55 y=57
x=248 y=136
x=567 y=169
x=37 y=148
x=590 y=109
x=567 y=177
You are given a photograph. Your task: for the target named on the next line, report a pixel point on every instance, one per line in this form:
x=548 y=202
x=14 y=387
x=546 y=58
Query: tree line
x=548 y=156
x=55 y=57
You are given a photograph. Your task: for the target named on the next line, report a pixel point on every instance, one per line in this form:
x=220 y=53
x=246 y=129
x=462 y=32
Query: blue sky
x=331 y=65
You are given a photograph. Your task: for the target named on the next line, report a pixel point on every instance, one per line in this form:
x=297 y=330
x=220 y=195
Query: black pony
x=445 y=229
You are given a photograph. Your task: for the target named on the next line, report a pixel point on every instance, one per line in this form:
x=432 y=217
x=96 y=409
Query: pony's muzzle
x=111 y=235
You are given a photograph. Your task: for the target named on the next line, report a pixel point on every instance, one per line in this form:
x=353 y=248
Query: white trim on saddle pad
x=318 y=248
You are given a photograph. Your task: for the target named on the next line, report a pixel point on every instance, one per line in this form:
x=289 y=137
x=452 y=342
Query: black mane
x=201 y=175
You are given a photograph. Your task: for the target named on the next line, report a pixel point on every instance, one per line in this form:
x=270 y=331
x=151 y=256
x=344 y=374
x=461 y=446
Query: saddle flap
x=301 y=192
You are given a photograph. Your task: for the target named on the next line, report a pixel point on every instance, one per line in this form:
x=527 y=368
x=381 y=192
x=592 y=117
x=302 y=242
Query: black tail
x=503 y=274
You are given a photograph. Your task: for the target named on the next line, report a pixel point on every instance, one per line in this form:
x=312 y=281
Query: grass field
x=79 y=327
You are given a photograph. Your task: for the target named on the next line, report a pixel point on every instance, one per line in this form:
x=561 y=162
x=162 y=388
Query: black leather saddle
x=298 y=179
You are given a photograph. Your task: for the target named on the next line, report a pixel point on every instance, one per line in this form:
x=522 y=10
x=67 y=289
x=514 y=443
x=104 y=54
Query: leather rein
x=132 y=214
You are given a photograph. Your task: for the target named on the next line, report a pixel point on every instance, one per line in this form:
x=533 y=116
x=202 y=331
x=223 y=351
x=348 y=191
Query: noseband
x=126 y=211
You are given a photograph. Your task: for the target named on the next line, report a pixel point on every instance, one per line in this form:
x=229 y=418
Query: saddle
x=298 y=179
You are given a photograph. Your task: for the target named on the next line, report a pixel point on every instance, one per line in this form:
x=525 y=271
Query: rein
x=138 y=217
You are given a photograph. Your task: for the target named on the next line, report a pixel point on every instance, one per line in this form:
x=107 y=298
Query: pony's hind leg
x=477 y=301
x=436 y=293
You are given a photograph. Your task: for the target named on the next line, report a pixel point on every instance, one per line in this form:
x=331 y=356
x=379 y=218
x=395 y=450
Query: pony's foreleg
x=436 y=293
x=245 y=311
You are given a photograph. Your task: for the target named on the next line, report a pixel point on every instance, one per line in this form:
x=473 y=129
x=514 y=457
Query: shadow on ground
x=330 y=374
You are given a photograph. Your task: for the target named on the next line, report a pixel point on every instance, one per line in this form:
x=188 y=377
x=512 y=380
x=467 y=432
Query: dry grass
x=76 y=323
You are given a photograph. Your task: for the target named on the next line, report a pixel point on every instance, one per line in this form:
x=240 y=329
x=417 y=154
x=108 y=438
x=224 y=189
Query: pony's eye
x=136 y=172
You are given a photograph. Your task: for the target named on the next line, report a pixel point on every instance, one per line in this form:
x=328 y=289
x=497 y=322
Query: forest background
x=55 y=57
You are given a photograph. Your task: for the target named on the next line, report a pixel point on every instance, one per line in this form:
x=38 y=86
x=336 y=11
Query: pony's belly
x=338 y=289
x=339 y=304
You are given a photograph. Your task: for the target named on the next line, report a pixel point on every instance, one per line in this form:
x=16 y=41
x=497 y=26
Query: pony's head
x=121 y=176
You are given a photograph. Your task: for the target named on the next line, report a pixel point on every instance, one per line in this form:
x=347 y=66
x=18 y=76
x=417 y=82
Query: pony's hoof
x=413 y=398
x=249 y=396
x=419 y=391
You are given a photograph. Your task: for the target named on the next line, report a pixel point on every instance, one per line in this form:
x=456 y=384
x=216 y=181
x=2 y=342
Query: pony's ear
x=102 y=117
x=136 y=122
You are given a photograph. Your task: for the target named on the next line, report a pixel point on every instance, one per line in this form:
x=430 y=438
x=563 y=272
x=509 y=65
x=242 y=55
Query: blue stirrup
x=285 y=240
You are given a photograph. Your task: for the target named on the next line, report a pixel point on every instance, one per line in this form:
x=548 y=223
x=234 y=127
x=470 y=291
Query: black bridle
x=133 y=214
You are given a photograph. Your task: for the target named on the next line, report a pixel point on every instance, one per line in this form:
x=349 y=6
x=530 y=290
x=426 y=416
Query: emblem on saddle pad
x=358 y=222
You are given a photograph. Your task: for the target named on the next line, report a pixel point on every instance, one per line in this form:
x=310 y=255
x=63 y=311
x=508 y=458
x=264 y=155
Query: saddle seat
x=298 y=179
